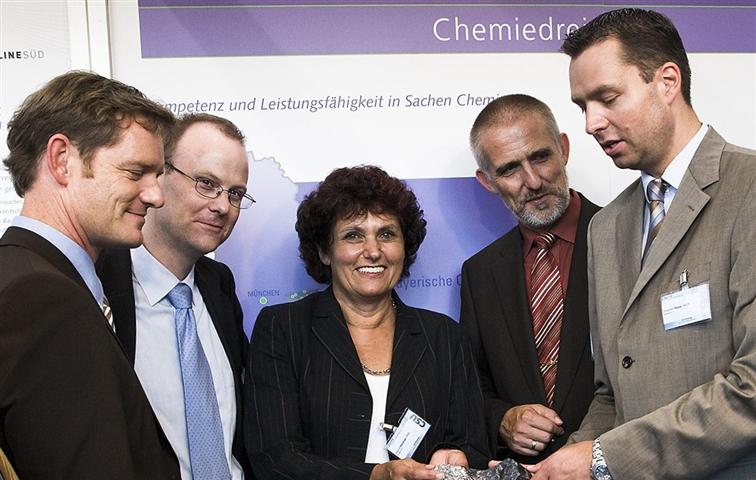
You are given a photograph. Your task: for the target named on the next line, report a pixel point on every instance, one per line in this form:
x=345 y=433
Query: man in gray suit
x=671 y=268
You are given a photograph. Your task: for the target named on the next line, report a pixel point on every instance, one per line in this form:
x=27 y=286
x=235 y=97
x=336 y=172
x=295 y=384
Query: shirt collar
x=564 y=228
x=156 y=280
x=78 y=257
x=675 y=171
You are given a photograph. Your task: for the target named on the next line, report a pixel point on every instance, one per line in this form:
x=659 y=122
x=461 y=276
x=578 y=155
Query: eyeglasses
x=210 y=189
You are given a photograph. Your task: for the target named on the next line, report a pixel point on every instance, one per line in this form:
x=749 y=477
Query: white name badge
x=408 y=434
x=689 y=305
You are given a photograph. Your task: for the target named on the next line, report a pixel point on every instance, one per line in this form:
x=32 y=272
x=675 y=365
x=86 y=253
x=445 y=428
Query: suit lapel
x=688 y=204
x=114 y=270
x=409 y=348
x=515 y=320
x=574 y=334
x=330 y=329
x=38 y=244
x=209 y=282
x=628 y=235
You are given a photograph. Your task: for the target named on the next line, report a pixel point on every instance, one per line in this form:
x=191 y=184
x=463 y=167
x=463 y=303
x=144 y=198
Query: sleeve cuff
x=599 y=469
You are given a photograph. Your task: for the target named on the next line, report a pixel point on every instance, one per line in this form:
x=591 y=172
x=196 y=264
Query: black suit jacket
x=496 y=314
x=309 y=406
x=70 y=403
x=216 y=283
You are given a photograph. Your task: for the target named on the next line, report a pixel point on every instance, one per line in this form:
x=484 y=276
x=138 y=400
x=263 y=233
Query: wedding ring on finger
x=533 y=445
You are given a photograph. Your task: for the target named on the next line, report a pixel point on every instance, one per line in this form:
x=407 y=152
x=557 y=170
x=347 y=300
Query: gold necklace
x=377 y=373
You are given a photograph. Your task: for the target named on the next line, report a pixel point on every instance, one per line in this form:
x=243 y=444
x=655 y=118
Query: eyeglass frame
x=219 y=189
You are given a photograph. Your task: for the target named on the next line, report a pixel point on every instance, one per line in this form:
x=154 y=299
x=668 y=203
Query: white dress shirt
x=672 y=176
x=157 y=359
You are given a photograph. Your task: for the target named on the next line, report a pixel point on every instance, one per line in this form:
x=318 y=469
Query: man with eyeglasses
x=176 y=311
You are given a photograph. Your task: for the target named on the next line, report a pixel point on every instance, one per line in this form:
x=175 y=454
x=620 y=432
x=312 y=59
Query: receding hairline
x=506 y=111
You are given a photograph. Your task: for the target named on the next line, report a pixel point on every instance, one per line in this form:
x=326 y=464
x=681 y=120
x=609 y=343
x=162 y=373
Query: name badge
x=408 y=434
x=686 y=306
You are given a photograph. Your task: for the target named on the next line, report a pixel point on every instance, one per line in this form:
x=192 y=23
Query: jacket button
x=627 y=362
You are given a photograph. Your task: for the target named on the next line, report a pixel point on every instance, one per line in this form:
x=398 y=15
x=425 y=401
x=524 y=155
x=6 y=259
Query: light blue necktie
x=204 y=431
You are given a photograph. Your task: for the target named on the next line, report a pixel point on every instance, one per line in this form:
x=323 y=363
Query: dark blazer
x=496 y=314
x=309 y=406
x=216 y=283
x=70 y=403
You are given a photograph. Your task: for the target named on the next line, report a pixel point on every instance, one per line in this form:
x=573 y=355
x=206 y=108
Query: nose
x=372 y=249
x=530 y=176
x=220 y=204
x=594 y=121
x=152 y=194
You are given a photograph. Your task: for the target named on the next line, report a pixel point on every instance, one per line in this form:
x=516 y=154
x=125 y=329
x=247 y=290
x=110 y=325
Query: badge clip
x=684 y=280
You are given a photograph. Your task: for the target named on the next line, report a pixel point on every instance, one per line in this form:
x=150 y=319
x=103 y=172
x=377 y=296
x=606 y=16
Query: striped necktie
x=546 y=308
x=108 y=312
x=655 y=192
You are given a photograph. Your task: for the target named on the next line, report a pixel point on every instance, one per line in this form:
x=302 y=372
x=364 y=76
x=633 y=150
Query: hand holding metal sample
x=506 y=470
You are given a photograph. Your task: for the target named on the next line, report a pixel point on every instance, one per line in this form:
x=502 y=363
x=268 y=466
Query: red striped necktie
x=546 y=308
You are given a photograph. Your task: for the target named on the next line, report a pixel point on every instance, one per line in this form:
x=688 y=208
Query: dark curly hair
x=349 y=192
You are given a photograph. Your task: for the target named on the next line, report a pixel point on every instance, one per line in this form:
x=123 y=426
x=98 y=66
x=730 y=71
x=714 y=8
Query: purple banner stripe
x=206 y=3
x=251 y=30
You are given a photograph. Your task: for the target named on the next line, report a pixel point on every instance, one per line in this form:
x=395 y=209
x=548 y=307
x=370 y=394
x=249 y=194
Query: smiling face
x=527 y=169
x=628 y=117
x=366 y=257
x=190 y=223
x=110 y=197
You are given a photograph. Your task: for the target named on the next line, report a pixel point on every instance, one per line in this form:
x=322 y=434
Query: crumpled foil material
x=507 y=470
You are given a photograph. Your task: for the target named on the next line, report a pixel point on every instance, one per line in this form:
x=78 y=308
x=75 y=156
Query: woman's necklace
x=377 y=373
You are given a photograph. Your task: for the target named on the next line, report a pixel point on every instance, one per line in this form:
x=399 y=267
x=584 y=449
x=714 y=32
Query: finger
x=536 y=421
x=547 y=412
x=493 y=463
x=526 y=439
x=423 y=472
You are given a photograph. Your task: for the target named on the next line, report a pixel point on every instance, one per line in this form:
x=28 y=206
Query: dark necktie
x=204 y=430
x=546 y=308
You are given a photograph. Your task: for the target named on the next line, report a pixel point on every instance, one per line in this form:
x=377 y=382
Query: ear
x=324 y=257
x=485 y=180
x=670 y=81
x=58 y=157
x=565 y=141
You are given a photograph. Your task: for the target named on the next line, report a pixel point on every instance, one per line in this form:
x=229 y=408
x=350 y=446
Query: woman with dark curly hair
x=330 y=374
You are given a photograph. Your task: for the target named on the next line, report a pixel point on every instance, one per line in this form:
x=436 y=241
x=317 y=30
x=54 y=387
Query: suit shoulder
x=612 y=208
x=20 y=264
x=215 y=265
x=299 y=308
x=484 y=256
x=436 y=321
x=735 y=150
x=738 y=162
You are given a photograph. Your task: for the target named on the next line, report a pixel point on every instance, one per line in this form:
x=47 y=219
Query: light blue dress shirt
x=157 y=359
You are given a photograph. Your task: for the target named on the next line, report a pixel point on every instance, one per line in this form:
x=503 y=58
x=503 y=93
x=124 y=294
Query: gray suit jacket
x=682 y=402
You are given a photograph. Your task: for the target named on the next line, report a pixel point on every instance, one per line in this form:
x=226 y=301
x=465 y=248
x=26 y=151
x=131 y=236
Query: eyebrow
x=595 y=93
x=538 y=153
x=211 y=176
